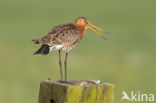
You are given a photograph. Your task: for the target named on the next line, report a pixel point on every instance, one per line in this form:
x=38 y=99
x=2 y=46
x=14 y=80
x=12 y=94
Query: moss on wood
x=84 y=91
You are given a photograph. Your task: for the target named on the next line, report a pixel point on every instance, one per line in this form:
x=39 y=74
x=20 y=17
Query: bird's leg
x=60 y=64
x=65 y=62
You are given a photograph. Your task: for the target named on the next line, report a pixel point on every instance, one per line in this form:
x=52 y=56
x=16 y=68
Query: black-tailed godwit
x=64 y=37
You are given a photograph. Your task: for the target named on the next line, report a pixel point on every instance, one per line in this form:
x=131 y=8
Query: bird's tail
x=43 y=50
x=36 y=41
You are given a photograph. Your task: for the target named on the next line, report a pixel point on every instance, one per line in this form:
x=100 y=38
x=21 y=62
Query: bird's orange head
x=83 y=24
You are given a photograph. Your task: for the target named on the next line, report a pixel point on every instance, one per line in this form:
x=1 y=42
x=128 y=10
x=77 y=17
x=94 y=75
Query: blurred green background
x=127 y=59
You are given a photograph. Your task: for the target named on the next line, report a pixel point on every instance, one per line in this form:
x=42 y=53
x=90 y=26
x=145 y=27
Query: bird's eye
x=84 y=20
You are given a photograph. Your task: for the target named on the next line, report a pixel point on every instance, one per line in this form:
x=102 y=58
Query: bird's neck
x=81 y=35
x=82 y=30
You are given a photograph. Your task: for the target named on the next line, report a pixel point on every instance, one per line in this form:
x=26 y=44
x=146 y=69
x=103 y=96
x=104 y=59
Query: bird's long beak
x=90 y=26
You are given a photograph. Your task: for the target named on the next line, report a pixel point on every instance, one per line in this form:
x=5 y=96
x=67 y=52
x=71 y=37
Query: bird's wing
x=61 y=34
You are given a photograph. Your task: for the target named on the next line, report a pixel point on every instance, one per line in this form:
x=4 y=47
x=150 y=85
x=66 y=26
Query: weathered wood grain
x=83 y=91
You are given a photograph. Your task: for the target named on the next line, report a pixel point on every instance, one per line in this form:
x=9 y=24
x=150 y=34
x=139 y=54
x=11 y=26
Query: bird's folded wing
x=62 y=34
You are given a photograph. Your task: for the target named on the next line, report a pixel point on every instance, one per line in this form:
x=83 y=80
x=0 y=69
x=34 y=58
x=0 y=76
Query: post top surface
x=78 y=83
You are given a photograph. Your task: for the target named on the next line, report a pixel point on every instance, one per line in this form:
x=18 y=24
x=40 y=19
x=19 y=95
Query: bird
x=63 y=38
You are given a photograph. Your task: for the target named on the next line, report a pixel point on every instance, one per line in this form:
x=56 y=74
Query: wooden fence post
x=76 y=91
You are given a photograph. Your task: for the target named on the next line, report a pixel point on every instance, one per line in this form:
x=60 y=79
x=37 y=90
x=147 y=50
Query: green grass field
x=127 y=59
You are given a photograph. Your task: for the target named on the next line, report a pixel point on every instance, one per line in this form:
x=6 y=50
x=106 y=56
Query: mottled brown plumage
x=67 y=35
x=64 y=37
